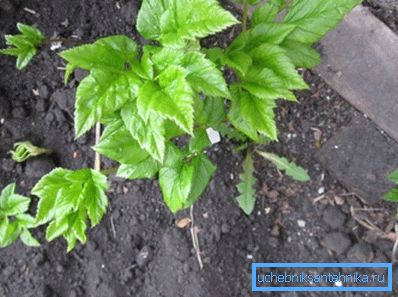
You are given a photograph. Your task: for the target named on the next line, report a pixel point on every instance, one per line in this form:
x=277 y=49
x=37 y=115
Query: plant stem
x=245 y=15
x=97 y=160
x=108 y=171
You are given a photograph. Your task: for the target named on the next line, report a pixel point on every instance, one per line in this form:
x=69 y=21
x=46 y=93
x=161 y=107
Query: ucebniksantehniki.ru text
x=325 y=278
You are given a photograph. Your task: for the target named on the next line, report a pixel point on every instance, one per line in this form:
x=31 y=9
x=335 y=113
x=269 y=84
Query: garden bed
x=138 y=250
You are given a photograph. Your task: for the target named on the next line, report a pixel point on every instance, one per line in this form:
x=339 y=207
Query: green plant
x=25 y=150
x=392 y=195
x=147 y=96
x=14 y=221
x=24 y=45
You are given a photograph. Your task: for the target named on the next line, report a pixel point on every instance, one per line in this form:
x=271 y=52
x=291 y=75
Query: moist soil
x=138 y=250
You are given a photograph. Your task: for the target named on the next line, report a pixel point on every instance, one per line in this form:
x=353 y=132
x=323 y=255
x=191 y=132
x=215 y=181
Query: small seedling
x=23 y=46
x=147 y=96
x=25 y=150
x=14 y=220
x=392 y=195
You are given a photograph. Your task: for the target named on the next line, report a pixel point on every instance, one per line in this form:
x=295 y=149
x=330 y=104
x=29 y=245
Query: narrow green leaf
x=291 y=169
x=247 y=198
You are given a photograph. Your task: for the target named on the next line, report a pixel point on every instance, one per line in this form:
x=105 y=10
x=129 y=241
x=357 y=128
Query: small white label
x=214 y=136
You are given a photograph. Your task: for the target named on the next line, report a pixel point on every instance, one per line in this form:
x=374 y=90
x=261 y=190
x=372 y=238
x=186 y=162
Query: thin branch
x=245 y=15
x=195 y=240
x=97 y=160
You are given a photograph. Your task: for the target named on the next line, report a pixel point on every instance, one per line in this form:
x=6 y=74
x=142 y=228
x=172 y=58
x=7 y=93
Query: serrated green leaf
x=274 y=58
x=56 y=228
x=264 y=84
x=176 y=183
x=79 y=226
x=150 y=134
x=181 y=180
x=9 y=233
x=81 y=194
x=16 y=204
x=267 y=13
x=14 y=221
x=102 y=93
x=247 y=198
x=203 y=170
x=394 y=176
x=172 y=98
x=301 y=55
x=109 y=54
x=270 y=33
x=314 y=18
x=204 y=76
x=290 y=168
x=117 y=144
x=252 y=115
x=7 y=192
x=165 y=57
x=391 y=196
x=173 y=22
x=12 y=204
x=144 y=169
x=47 y=189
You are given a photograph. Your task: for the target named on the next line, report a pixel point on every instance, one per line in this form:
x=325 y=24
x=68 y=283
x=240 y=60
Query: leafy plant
x=148 y=97
x=67 y=199
x=25 y=150
x=24 y=45
x=393 y=194
x=14 y=221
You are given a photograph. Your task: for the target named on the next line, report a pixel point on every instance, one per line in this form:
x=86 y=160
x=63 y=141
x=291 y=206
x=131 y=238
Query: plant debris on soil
x=138 y=250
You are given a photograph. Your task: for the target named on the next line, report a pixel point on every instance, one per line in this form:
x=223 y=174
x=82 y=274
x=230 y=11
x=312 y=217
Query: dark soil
x=138 y=250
